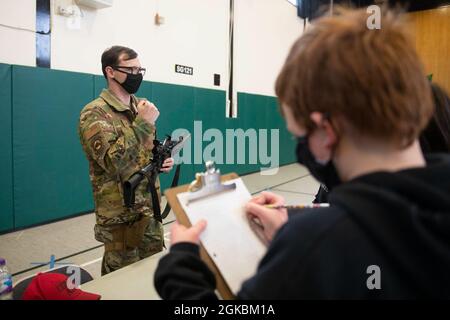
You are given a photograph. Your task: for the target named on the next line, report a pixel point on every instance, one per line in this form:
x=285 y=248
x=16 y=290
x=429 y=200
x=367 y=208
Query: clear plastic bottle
x=6 y=287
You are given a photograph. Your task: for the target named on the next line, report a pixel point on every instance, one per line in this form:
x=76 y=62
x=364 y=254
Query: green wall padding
x=99 y=85
x=210 y=110
x=287 y=141
x=176 y=104
x=261 y=112
x=50 y=171
x=6 y=182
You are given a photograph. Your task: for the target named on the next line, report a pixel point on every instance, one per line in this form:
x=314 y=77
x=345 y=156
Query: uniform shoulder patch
x=98 y=145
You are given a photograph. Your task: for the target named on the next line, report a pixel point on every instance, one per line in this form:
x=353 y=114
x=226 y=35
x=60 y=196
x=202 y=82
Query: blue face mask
x=326 y=173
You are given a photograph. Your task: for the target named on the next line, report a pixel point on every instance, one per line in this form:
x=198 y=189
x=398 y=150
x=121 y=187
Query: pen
x=300 y=206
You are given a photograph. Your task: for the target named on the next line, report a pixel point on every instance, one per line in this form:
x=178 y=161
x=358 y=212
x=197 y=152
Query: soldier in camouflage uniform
x=117 y=132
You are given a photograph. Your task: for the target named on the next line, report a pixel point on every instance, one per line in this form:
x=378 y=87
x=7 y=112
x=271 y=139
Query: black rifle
x=161 y=152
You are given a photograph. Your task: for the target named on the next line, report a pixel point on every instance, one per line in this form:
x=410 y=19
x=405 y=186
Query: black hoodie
x=397 y=224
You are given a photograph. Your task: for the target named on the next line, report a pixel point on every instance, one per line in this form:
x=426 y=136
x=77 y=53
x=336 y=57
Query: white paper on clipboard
x=228 y=238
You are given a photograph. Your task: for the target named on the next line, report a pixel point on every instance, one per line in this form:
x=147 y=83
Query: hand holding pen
x=264 y=221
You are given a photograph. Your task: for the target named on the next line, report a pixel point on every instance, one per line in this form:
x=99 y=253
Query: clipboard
x=172 y=199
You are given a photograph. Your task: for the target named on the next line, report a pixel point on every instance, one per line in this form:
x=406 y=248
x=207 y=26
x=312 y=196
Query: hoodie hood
x=407 y=215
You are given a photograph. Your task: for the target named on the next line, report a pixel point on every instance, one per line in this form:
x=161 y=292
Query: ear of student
x=322 y=123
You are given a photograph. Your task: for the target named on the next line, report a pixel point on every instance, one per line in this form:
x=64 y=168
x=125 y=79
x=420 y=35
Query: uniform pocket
x=134 y=234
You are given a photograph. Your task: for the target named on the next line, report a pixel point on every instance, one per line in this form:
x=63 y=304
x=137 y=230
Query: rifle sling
x=155 y=199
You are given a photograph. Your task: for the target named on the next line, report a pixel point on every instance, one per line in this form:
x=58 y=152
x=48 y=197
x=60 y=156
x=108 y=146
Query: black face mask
x=132 y=83
x=326 y=174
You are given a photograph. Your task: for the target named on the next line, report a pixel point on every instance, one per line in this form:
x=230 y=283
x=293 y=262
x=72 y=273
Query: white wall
x=195 y=34
x=192 y=35
x=264 y=33
x=18 y=46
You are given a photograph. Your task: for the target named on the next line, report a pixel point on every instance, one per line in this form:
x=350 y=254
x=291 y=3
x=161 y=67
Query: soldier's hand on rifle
x=168 y=165
x=148 y=111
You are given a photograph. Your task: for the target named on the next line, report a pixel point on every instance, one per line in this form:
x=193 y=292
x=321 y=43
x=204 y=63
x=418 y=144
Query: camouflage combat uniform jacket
x=113 y=136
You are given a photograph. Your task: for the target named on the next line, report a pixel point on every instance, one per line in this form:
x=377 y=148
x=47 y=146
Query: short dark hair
x=111 y=56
